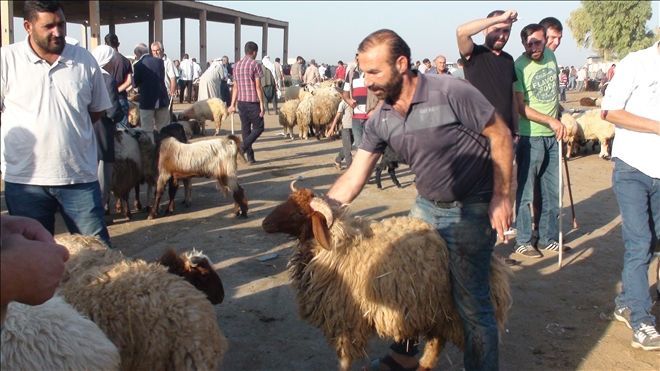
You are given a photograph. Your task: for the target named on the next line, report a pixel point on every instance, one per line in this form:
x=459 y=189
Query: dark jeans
x=79 y=204
x=345 y=152
x=638 y=196
x=251 y=126
x=470 y=241
x=185 y=85
x=537 y=158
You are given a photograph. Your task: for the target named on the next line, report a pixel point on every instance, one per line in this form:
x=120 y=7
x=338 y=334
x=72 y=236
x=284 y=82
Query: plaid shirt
x=245 y=72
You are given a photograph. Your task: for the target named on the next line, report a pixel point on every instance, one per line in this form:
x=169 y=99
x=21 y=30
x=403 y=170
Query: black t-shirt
x=120 y=71
x=440 y=138
x=493 y=75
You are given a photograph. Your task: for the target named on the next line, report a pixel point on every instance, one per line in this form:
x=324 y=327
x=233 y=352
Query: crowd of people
x=460 y=137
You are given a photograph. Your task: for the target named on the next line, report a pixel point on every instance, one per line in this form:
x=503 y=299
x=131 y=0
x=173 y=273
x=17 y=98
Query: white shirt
x=636 y=88
x=46 y=133
x=197 y=71
x=186 y=66
x=422 y=68
x=170 y=73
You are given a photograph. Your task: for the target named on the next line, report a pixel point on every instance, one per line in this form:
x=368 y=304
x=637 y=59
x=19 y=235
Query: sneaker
x=646 y=337
x=528 y=251
x=554 y=246
x=623 y=315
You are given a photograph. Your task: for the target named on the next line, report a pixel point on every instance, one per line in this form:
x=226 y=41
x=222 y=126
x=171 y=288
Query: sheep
x=390 y=161
x=324 y=107
x=133 y=114
x=588 y=102
x=54 y=336
x=176 y=131
x=287 y=116
x=355 y=277
x=134 y=163
x=213 y=109
x=304 y=116
x=197 y=269
x=295 y=92
x=157 y=320
x=568 y=120
x=590 y=126
x=214 y=158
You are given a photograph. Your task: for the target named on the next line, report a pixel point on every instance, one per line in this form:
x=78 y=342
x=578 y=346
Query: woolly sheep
x=213 y=109
x=157 y=320
x=590 y=126
x=54 y=336
x=215 y=158
x=355 y=277
x=304 y=116
x=324 y=108
x=287 y=116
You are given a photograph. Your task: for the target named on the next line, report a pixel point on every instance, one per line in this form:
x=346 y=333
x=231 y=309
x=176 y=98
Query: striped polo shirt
x=440 y=138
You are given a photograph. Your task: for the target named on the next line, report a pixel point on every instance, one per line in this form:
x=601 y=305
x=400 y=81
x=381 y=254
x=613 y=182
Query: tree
x=612 y=28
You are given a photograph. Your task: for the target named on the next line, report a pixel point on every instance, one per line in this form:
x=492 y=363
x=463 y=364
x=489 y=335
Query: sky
x=328 y=31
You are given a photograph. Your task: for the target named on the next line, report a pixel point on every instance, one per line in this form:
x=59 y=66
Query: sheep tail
x=239 y=148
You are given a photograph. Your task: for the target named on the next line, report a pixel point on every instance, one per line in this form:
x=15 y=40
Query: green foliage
x=613 y=28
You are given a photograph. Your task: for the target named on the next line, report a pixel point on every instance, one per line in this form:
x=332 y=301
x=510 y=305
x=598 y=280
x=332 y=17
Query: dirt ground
x=561 y=318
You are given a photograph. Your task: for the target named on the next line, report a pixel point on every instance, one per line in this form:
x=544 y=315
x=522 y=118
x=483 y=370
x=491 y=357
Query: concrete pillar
x=202 y=39
x=285 y=47
x=83 y=32
x=264 y=40
x=7 y=22
x=182 y=37
x=94 y=24
x=237 y=39
x=158 y=21
x=151 y=32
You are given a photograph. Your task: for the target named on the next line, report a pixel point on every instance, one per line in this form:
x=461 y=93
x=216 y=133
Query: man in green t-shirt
x=536 y=155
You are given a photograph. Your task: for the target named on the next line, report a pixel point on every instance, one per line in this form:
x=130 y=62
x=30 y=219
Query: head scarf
x=104 y=55
x=268 y=64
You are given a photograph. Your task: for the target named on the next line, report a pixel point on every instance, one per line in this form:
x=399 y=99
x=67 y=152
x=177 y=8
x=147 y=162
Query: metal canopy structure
x=93 y=14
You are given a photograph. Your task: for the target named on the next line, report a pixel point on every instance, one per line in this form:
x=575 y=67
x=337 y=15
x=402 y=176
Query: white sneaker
x=646 y=338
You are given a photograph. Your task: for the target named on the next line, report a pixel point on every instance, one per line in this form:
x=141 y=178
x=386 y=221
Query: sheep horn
x=293 y=184
x=318 y=204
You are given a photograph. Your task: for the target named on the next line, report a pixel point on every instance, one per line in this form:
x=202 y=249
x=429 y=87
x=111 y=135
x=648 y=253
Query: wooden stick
x=232 y=123
x=561 y=202
x=570 y=194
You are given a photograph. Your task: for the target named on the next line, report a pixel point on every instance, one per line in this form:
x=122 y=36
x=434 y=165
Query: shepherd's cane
x=232 y=123
x=561 y=203
x=570 y=194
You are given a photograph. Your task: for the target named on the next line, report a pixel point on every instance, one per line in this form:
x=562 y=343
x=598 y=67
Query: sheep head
x=303 y=215
x=197 y=269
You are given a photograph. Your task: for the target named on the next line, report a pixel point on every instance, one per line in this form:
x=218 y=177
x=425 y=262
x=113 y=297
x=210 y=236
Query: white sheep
x=324 y=107
x=304 y=116
x=215 y=158
x=287 y=116
x=590 y=126
x=157 y=320
x=54 y=336
x=357 y=277
x=213 y=109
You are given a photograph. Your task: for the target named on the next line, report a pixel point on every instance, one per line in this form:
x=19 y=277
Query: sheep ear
x=172 y=261
x=320 y=230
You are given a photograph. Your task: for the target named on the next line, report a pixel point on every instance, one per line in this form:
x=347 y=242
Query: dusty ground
x=561 y=319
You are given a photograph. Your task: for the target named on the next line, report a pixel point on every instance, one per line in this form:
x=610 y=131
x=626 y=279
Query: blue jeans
x=358 y=129
x=123 y=103
x=537 y=158
x=638 y=196
x=470 y=241
x=79 y=204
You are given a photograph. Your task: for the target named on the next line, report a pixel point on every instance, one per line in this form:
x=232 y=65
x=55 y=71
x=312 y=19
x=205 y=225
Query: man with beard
x=51 y=93
x=537 y=100
x=487 y=66
x=461 y=153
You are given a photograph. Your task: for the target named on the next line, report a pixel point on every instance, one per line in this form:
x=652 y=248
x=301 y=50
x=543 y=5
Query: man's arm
x=534 y=115
x=126 y=84
x=465 y=32
x=349 y=185
x=631 y=121
x=260 y=95
x=501 y=152
x=95 y=116
x=234 y=97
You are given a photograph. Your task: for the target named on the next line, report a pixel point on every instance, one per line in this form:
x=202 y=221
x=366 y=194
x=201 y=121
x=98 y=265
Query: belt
x=479 y=198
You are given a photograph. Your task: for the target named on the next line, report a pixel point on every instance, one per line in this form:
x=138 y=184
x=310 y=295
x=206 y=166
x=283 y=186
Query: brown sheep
x=356 y=277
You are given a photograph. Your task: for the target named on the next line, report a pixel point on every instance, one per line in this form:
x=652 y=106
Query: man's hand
x=32 y=263
x=558 y=128
x=231 y=109
x=510 y=16
x=500 y=213
x=261 y=110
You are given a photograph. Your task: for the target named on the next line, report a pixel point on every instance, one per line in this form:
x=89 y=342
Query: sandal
x=388 y=361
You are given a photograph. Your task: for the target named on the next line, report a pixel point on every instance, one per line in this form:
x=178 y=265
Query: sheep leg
x=431 y=354
x=172 y=187
x=160 y=187
x=187 y=186
x=379 y=171
x=392 y=171
x=125 y=205
x=240 y=202
x=217 y=127
x=604 y=149
x=137 y=204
